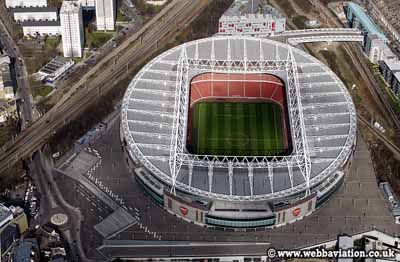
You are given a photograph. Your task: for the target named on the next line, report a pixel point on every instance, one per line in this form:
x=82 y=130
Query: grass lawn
x=120 y=16
x=237 y=128
x=52 y=42
x=97 y=39
x=42 y=91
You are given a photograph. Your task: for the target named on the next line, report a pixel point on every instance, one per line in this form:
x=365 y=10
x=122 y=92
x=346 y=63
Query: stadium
x=238 y=132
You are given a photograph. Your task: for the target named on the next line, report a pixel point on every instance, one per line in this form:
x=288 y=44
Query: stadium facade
x=244 y=190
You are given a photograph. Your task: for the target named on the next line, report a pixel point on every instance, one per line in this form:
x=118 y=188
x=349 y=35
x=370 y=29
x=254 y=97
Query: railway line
x=98 y=81
x=395 y=150
x=362 y=67
x=373 y=87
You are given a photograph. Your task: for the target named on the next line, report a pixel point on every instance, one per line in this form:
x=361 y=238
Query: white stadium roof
x=323 y=122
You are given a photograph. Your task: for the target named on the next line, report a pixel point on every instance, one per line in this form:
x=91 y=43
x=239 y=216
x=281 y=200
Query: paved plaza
x=357 y=206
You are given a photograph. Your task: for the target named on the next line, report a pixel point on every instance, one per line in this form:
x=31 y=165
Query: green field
x=237 y=129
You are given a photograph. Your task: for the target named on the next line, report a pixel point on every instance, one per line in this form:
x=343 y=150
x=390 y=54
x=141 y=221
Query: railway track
x=115 y=67
x=395 y=150
x=358 y=61
x=373 y=87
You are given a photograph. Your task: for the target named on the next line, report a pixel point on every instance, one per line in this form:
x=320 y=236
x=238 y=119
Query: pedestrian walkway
x=115 y=223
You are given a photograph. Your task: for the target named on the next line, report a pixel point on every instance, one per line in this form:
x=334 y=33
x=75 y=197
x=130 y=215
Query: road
x=116 y=66
x=55 y=203
x=51 y=200
x=21 y=75
x=183 y=249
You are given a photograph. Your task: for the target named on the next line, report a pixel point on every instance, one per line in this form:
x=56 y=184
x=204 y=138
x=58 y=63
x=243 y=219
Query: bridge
x=295 y=37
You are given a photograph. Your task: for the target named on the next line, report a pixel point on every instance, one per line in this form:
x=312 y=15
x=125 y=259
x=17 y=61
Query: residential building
x=41 y=28
x=5 y=215
x=72 y=28
x=375 y=41
x=105 y=14
x=7 y=109
x=88 y=4
x=35 y=13
x=358 y=18
x=396 y=88
x=25 y=3
x=374 y=47
x=26 y=250
x=13 y=223
x=6 y=83
x=369 y=240
x=345 y=242
x=390 y=69
x=387 y=189
x=8 y=235
x=251 y=17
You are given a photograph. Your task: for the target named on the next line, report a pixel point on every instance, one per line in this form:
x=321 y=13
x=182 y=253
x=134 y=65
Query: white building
x=35 y=13
x=250 y=17
x=41 y=28
x=156 y=2
x=72 y=28
x=54 y=69
x=88 y=4
x=6 y=83
x=105 y=14
x=5 y=215
x=25 y=3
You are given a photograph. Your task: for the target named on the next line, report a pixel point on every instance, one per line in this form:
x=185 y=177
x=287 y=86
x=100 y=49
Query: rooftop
x=41 y=23
x=148 y=111
x=393 y=64
x=34 y=9
x=366 y=20
x=24 y=249
x=70 y=7
x=5 y=59
x=345 y=242
x=55 y=64
x=5 y=214
x=397 y=76
x=250 y=8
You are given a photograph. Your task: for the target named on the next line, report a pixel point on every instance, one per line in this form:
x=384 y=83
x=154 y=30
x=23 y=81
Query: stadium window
x=169 y=203
x=197 y=215
x=283 y=216
x=309 y=205
x=279 y=217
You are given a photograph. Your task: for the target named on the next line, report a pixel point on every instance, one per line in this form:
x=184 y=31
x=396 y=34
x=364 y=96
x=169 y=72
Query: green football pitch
x=237 y=129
